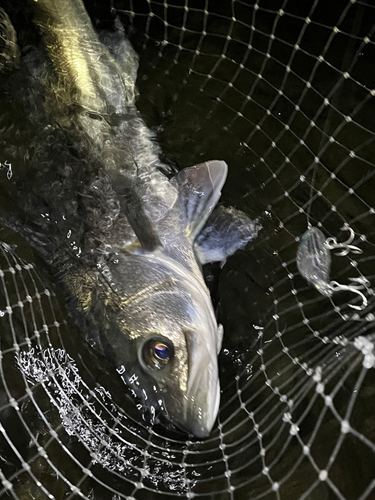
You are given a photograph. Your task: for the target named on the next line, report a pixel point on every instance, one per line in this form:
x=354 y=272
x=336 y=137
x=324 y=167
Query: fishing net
x=283 y=91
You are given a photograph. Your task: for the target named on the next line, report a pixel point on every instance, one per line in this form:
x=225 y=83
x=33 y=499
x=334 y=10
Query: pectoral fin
x=199 y=190
x=226 y=230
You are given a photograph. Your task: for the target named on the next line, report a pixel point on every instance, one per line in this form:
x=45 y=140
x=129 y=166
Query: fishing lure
x=314 y=263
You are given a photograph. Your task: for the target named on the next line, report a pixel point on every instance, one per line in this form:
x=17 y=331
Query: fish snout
x=194 y=409
x=200 y=403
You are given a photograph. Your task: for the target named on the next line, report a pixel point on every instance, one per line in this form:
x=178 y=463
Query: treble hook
x=362 y=282
x=337 y=287
x=332 y=243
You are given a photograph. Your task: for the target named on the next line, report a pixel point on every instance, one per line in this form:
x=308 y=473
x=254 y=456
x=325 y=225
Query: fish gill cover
x=283 y=92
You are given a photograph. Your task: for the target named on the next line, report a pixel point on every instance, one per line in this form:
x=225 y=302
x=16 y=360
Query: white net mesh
x=283 y=91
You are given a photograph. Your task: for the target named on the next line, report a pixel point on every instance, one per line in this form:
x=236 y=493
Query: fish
x=119 y=231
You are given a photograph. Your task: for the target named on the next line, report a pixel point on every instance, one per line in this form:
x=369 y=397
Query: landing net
x=284 y=92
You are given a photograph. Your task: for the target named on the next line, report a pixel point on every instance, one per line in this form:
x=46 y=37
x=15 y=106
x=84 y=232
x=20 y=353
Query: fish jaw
x=201 y=422
x=200 y=404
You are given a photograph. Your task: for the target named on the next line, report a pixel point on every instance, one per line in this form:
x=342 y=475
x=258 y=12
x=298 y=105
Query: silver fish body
x=136 y=280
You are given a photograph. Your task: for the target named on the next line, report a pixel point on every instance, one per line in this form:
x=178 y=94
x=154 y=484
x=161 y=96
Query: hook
x=362 y=282
x=337 y=287
x=346 y=246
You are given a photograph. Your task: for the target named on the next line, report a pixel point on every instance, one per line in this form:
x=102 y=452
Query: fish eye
x=157 y=353
x=161 y=352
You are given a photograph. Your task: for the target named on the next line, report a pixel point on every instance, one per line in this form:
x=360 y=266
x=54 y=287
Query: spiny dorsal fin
x=199 y=190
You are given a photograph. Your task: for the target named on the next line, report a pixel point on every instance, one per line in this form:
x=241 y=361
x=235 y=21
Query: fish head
x=163 y=335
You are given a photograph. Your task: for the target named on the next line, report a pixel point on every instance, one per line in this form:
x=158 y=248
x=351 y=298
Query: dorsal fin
x=199 y=189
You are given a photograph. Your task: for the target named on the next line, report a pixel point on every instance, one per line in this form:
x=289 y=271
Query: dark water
x=277 y=430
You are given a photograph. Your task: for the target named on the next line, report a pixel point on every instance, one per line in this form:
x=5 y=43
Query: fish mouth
x=196 y=415
x=196 y=410
x=201 y=417
x=203 y=390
